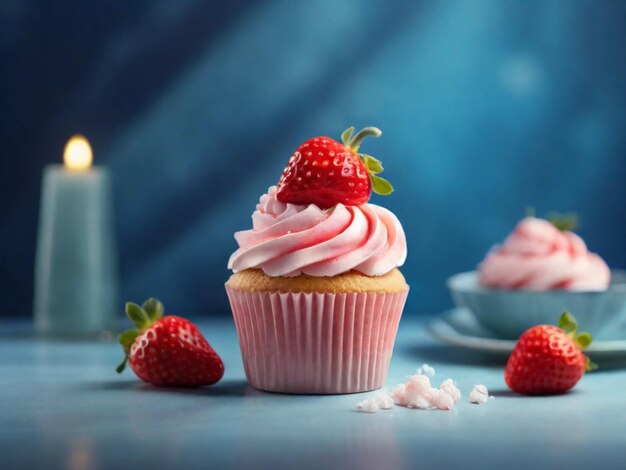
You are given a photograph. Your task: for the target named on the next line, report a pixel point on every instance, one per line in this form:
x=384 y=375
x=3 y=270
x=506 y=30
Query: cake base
x=255 y=280
x=315 y=342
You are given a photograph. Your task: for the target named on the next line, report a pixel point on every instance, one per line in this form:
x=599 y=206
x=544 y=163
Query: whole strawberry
x=548 y=359
x=167 y=351
x=325 y=172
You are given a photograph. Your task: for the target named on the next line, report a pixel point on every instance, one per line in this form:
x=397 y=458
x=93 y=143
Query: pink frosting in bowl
x=289 y=239
x=537 y=256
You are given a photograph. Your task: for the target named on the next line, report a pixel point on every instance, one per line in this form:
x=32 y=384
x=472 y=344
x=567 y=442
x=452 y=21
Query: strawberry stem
x=372 y=165
x=122 y=365
x=355 y=142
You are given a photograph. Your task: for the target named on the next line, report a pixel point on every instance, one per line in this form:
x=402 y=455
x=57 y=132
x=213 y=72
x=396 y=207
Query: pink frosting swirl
x=538 y=256
x=289 y=239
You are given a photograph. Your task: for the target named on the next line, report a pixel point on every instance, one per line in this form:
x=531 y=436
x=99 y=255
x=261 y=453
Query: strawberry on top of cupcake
x=544 y=255
x=325 y=172
x=317 y=221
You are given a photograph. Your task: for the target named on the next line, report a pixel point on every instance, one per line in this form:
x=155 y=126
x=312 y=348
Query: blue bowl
x=508 y=313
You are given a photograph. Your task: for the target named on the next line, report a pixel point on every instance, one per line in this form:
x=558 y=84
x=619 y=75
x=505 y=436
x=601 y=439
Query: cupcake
x=541 y=270
x=539 y=256
x=316 y=292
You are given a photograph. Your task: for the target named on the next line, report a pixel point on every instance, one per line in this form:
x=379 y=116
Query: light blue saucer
x=508 y=313
x=459 y=327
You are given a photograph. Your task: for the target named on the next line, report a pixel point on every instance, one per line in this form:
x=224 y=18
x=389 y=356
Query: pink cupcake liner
x=318 y=343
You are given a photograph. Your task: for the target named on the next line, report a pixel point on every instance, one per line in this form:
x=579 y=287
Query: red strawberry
x=547 y=359
x=324 y=172
x=167 y=351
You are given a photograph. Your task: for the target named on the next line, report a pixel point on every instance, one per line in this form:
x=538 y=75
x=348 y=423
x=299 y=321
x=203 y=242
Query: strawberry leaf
x=381 y=185
x=346 y=135
x=126 y=339
x=568 y=323
x=372 y=164
x=583 y=340
x=153 y=308
x=590 y=365
x=137 y=315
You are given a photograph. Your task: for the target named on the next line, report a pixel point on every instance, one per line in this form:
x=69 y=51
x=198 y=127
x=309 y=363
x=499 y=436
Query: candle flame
x=77 y=155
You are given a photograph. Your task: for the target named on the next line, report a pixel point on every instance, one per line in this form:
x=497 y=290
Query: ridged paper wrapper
x=317 y=343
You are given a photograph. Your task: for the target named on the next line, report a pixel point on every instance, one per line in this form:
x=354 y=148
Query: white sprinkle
x=417 y=392
x=381 y=401
x=479 y=395
x=449 y=386
x=426 y=370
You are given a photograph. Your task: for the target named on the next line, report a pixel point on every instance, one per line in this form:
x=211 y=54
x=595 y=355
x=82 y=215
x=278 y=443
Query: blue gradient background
x=487 y=107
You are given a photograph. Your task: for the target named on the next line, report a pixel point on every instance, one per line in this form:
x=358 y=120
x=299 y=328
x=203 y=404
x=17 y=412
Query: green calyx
x=569 y=325
x=372 y=165
x=564 y=222
x=142 y=317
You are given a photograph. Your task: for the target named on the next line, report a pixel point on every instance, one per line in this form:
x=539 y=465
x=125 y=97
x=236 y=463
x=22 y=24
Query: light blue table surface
x=63 y=406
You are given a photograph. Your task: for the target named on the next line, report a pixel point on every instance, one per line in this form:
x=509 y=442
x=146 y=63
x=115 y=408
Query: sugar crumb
x=449 y=386
x=381 y=401
x=479 y=395
x=417 y=392
x=426 y=370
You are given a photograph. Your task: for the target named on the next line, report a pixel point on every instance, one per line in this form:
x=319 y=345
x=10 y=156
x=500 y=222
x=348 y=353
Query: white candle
x=76 y=263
